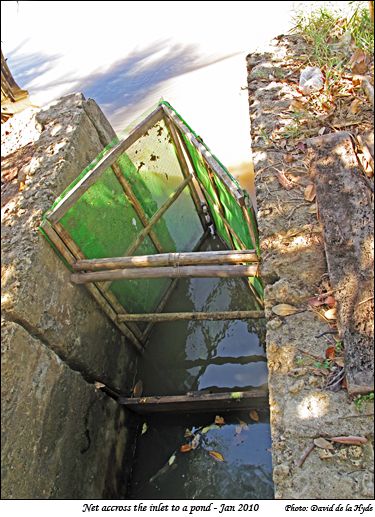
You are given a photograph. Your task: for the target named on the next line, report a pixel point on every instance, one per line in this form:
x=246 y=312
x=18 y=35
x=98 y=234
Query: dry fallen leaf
x=330 y=301
x=323 y=444
x=195 y=442
x=138 y=388
x=216 y=455
x=355 y=106
x=330 y=314
x=99 y=385
x=310 y=192
x=340 y=361
x=284 y=309
x=288 y=158
x=330 y=352
x=144 y=428
x=254 y=415
x=219 y=420
x=209 y=428
x=350 y=440
x=359 y=62
x=315 y=302
x=186 y=447
x=284 y=181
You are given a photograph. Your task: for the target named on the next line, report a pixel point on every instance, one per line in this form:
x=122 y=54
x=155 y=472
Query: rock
x=297 y=386
x=280 y=472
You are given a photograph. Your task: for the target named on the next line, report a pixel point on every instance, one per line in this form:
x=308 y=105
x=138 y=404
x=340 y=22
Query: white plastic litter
x=311 y=80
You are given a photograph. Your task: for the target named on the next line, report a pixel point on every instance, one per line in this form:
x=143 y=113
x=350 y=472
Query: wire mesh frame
x=71 y=252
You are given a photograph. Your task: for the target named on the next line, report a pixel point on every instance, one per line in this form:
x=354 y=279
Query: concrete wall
x=56 y=341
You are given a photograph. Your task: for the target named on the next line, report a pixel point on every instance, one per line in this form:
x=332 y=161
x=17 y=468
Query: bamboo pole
x=136 y=204
x=185 y=168
x=158 y=215
x=168 y=259
x=221 y=271
x=207 y=156
x=107 y=295
x=195 y=316
x=62 y=248
x=198 y=401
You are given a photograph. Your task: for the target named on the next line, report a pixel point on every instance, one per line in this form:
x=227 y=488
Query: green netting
x=103 y=222
x=219 y=194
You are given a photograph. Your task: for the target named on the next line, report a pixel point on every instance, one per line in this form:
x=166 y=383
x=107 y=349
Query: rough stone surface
x=37 y=292
x=294 y=269
x=346 y=209
x=60 y=437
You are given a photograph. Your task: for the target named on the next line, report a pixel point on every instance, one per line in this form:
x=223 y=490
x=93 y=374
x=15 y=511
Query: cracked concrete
x=61 y=438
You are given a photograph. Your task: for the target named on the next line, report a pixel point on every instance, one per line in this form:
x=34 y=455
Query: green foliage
x=339 y=346
x=324 y=364
x=361 y=27
x=323 y=28
x=361 y=399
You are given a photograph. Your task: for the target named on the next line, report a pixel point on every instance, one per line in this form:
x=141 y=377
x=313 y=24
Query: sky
x=128 y=55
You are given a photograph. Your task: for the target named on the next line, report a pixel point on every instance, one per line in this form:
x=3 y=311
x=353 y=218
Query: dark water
x=212 y=356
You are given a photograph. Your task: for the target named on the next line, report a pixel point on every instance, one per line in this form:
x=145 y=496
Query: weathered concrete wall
x=294 y=270
x=54 y=329
x=60 y=437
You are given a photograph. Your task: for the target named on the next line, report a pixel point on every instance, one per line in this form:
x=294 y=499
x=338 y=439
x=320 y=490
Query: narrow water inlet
x=161 y=191
x=205 y=356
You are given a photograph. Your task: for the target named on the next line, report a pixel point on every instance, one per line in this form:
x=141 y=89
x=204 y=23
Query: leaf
x=195 y=442
x=138 y=388
x=99 y=385
x=172 y=459
x=284 y=181
x=186 y=447
x=216 y=455
x=288 y=158
x=323 y=444
x=340 y=361
x=219 y=420
x=330 y=314
x=254 y=415
x=355 y=106
x=315 y=302
x=358 y=62
x=236 y=395
x=242 y=427
x=330 y=301
x=330 y=352
x=350 y=440
x=310 y=192
x=284 y=309
x=209 y=428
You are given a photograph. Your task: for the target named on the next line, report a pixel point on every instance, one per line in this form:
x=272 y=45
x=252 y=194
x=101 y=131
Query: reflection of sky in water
x=245 y=473
x=189 y=355
x=233 y=375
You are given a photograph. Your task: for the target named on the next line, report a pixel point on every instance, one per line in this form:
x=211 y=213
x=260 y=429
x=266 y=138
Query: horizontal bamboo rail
x=197 y=401
x=175 y=316
x=223 y=271
x=168 y=259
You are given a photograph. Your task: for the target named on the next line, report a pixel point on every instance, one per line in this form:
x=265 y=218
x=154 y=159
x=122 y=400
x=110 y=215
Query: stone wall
x=58 y=432
x=294 y=269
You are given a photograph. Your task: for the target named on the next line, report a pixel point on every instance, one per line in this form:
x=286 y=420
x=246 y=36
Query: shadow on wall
x=125 y=84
